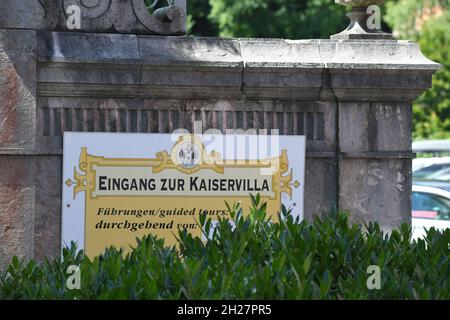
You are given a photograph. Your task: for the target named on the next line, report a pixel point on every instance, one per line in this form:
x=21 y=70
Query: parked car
x=444 y=185
x=443 y=174
x=435 y=148
x=430 y=208
x=431 y=168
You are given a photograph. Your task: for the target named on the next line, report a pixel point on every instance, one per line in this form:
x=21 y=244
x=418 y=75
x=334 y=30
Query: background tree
x=199 y=20
x=277 y=18
x=427 y=22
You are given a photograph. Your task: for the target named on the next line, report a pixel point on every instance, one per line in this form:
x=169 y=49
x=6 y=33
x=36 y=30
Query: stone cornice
x=156 y=66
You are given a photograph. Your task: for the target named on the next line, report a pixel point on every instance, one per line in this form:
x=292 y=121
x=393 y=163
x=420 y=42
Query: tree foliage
x=277 y=18
x=199 y=21
x=428 y=23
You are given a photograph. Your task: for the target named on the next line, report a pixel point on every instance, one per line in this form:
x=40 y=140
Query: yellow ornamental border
x=85 y=176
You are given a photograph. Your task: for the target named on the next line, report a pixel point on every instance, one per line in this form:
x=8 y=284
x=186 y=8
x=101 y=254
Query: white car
x=435 y=167
x=434 y=147
x=431 y=168
x=430 y=208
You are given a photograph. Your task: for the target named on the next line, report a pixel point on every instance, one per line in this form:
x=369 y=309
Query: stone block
x=282 y=67
x=17 y=207
x=47 y=217
x=321 y=186
x=25 y=14
x=69 y=58
x=17 y=88
x=376 y=190
x=375 y=126
x=203 y=66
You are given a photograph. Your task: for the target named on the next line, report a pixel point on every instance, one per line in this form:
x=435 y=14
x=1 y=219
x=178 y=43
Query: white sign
x=117 y=187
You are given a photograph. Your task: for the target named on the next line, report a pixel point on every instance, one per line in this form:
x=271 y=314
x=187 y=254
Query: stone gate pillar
x=129 y=71
x=17 y=139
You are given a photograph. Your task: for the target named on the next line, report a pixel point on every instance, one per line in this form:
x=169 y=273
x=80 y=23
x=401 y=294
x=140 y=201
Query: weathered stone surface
x=25 y=14
x=376 y=190
x=75 y=47
x=194 y=66
x=17 y=88
x=209 y=67
x=378 y=70
x=321 y=186
x=375 y=126
x=282 y=68
x=47 y=217
x=119 y=16
x=71 y=58
x=17 y=207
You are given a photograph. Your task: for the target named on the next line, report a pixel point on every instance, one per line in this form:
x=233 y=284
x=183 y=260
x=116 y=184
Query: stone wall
x=351 y=98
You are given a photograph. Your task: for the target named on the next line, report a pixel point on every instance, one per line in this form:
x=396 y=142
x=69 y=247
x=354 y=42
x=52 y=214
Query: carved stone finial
x=359 y=27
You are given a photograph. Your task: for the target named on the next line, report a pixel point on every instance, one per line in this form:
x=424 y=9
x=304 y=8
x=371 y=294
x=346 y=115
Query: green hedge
x=327 y=259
